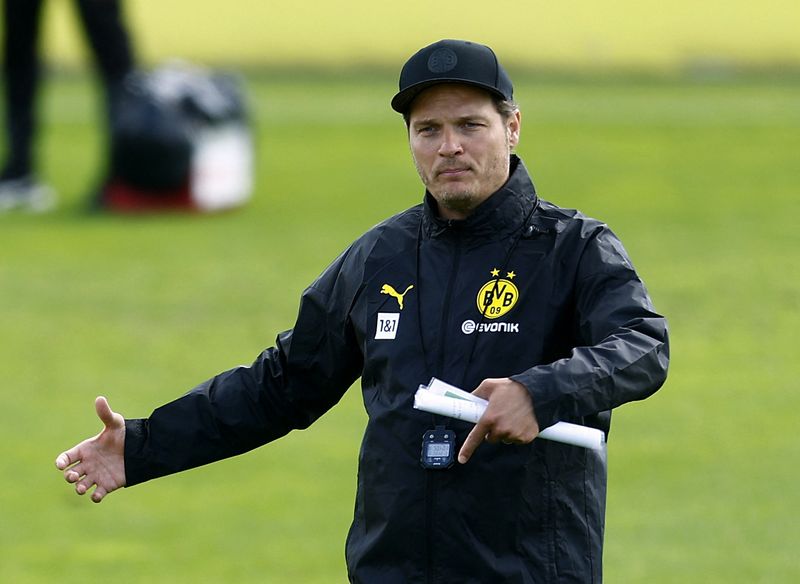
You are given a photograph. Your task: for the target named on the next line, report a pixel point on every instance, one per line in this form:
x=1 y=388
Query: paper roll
x=469 y=411
x=447 y=406
x=575 y=434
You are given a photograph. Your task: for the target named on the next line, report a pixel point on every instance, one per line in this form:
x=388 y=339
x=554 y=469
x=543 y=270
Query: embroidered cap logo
x=442 y=60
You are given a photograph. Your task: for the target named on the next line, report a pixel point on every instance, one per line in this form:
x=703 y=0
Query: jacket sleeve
x=287 y=387
x=622 y=348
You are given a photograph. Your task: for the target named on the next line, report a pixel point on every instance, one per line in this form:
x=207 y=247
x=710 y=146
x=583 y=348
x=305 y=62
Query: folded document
x=444 y=399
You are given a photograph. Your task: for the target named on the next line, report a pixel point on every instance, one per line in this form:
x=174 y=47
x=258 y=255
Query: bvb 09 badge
x=498 y=295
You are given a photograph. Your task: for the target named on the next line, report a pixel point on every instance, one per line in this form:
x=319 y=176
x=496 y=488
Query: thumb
x=104 y=412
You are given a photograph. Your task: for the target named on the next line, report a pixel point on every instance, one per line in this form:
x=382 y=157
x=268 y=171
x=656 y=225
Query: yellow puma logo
x=387 y=289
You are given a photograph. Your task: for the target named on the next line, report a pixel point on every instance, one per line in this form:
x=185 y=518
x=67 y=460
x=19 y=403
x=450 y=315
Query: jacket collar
x=497 y=217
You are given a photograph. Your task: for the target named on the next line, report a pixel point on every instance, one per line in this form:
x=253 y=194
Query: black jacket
x=521 y=288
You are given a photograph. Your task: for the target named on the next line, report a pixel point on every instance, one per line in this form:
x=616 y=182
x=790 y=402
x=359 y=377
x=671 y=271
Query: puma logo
x=387 y=289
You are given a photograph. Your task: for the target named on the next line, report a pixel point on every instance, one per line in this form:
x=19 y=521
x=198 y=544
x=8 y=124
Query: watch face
x=437 y=448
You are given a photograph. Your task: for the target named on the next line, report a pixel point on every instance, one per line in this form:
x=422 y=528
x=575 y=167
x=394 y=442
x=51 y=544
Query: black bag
x=180 y=138
x=151 y=146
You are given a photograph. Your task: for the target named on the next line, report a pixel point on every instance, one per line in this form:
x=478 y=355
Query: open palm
x=99 y=461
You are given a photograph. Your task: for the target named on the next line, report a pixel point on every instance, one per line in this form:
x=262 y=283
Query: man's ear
x=513 y=125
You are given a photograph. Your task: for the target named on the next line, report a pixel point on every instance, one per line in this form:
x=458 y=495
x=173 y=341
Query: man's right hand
x=97 y=461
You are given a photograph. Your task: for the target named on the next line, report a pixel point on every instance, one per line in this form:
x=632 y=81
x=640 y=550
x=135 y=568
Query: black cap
x=451 y=61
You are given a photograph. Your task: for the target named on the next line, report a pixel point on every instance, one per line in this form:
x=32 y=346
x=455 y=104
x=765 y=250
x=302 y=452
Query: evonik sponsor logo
x=470 y=326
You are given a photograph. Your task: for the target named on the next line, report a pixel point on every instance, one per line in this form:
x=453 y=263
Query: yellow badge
x=388 y=289
x=498 y=295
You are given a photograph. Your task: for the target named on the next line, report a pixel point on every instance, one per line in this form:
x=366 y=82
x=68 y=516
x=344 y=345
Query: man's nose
x=451 y=144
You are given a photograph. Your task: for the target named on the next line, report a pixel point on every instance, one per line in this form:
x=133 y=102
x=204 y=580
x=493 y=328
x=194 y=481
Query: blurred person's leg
x=103 y=21
x=21 y=24
x=18 y=187
x=108 y=36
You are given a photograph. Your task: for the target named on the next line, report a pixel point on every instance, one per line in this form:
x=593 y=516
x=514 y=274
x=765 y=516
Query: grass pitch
x=699 y=180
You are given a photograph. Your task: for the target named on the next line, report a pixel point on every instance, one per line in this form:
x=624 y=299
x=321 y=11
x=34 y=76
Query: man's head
x=462 y=122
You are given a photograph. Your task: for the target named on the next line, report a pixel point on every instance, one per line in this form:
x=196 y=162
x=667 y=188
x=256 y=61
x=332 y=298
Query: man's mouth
x=452 y=172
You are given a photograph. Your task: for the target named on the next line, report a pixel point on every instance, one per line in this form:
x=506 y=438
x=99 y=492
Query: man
x=483 y=285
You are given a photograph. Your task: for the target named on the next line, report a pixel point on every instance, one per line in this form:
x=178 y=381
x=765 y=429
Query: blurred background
x=574 y=34
x=677 y=123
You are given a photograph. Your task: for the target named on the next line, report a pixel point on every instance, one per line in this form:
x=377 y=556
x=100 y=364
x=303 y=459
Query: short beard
x=462 y=202
x=465 y=201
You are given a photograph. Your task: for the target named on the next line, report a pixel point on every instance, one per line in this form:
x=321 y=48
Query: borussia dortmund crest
x=498 y=295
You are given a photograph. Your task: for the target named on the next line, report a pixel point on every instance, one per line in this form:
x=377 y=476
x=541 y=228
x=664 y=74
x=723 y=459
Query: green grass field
x=699 y=180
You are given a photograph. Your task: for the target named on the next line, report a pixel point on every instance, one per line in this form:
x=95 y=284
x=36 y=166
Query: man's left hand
x=509 y=417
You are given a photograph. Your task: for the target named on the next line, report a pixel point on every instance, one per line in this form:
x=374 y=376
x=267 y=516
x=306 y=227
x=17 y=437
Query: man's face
x=461 y=146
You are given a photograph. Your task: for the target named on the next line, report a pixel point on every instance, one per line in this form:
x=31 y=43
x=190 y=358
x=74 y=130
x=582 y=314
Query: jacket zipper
x=448 y=296
x=432 y=479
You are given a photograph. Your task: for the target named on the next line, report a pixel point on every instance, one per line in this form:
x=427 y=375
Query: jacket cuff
x=543 y=408
x=135 y=437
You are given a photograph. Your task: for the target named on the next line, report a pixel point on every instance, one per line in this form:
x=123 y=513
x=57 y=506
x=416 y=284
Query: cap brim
x=402 y=101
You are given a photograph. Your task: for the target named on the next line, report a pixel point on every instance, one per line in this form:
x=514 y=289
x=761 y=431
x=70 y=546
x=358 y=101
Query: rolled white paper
x=575 y=434
x=470 y=411
x=461 y=409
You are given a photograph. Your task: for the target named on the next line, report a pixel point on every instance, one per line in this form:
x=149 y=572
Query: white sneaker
x=27 y=194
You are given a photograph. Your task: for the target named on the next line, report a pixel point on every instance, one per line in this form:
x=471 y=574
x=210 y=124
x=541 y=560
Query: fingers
x=62 y=461
x=83 y=485
x=68 y=457
x=476 y=436
x=485 y=388
x=98 y=494
x=479 y=435
x=481 y=431
x=509 y=417
x=73 y=474
x=84 y=482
